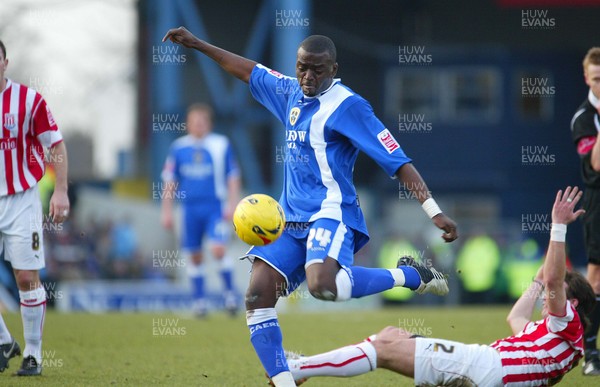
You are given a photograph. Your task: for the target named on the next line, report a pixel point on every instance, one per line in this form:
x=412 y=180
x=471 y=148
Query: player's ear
x=334 y=69
x=586 y=77
x=574 y=302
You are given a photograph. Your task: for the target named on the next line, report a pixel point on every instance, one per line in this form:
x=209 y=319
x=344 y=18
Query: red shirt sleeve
x=44 y=126
x=585 y=145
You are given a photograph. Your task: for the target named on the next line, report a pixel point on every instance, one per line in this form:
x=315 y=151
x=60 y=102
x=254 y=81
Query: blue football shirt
x=323 y=137
x=201 y=168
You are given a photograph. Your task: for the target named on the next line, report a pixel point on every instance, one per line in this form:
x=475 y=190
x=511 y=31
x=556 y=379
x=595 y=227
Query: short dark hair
x=578 y=287
x=3 y=48
x=318 y=44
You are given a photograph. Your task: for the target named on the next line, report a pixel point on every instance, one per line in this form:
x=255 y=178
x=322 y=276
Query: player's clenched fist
x=446 y=224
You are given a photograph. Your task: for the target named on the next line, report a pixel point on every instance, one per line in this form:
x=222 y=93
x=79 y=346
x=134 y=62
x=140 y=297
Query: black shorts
x=591 y=224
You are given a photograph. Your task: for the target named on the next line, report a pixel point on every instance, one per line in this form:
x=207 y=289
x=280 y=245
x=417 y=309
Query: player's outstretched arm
x=551 y=276
x=555 y=266
x=522 y=310
x=234 y=64
x=409 y=175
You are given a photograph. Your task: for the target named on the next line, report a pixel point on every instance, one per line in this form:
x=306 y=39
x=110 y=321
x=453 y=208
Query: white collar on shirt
x=595 y=101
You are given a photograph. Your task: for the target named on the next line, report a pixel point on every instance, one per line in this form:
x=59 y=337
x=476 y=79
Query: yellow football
x=258 y=219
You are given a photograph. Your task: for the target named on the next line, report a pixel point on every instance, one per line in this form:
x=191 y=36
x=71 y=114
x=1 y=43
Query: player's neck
x=594 y=99
x=3 y=84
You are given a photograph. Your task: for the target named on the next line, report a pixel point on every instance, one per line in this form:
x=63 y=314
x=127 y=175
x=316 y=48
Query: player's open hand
x=443 y=222
x=564 y=205
x=181 y=36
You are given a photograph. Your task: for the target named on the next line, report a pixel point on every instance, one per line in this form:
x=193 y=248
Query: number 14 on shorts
x=321 y=235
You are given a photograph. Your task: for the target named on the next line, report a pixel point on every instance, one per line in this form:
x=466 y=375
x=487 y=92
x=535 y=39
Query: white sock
x=5 y=336
x=33 y=311
x=194 y=270
x=346 y=361
x=399 y=279
x=283 y=379
x=343 y=283
x=226 y=263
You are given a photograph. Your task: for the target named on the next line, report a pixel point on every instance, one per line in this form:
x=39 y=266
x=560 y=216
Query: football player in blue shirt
x=202 y=173
x=327 y=124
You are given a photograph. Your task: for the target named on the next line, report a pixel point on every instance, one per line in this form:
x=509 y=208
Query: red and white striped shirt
x=543 y=351
x=27 y=127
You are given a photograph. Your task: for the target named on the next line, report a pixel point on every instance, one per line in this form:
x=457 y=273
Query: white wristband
x=431 y=208
x=558 y=232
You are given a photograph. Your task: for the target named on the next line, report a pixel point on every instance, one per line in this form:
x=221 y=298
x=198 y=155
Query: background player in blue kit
x=202 y=172
x=326 y=126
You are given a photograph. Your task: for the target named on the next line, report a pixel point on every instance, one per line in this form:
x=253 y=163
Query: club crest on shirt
x=294 y=114
x=10 y=122
x=387 y=140
x=198 y=157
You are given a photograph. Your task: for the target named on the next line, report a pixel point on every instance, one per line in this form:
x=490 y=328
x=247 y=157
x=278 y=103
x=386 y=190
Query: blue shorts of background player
x=200 y=221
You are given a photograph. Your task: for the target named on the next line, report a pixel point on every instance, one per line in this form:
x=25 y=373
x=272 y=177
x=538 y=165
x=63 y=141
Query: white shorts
x=450 y=363
x=21 y=233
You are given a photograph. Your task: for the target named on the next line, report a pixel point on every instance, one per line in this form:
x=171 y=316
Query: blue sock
x=226 y=275
x=367 y=281
x=412 y=279
x=267 y=340
x=198 y=287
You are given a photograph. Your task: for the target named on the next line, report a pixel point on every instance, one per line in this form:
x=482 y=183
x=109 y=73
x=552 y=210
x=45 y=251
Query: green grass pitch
x=176 y=350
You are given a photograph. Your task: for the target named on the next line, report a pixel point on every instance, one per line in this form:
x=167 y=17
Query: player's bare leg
x=265 y=288
x=218 y=251
x=33 y=311
x=320 y=278
x=591 y=366
x=395 y=351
